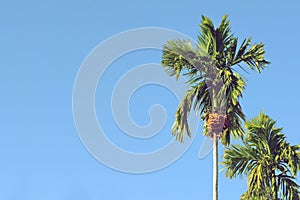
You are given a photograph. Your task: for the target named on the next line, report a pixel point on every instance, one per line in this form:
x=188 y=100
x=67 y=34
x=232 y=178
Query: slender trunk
x=215 y=167
x=274 y=185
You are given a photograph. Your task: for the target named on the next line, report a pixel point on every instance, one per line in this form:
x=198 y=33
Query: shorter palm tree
x=269 y=161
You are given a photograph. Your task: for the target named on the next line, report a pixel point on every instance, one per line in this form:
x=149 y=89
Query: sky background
x=42 y=46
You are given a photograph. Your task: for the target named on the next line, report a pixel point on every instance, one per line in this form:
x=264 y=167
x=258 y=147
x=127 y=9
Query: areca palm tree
x=269 y=161
x=214 y=84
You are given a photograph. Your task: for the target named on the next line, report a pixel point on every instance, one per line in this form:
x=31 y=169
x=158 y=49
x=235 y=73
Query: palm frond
x=180 y=125
x=270 y=163
x=177 y=56
x=252 y=56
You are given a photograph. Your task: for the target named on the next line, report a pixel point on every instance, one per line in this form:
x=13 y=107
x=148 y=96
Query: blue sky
x=43 y=44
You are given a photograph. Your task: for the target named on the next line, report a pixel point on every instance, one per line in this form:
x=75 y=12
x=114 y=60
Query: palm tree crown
x=269 y=161
x=214 y=85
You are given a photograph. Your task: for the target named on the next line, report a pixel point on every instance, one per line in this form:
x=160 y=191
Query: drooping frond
x=288 y=187
x=177 y=56
x=180 y=125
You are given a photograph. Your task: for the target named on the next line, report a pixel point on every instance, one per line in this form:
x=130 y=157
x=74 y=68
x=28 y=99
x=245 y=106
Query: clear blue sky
x=42 y=46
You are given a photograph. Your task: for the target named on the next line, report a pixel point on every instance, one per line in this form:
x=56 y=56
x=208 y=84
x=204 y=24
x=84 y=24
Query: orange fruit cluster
x=216 y=124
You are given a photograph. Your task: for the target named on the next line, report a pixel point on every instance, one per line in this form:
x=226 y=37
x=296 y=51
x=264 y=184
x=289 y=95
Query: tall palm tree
x=214 y=84
x=269 y=161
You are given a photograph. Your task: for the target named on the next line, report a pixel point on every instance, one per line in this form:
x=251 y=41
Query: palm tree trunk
x=215 y=167
x=274 y=185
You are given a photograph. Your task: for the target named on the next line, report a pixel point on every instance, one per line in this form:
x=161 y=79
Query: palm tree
x=214 y=84
x=269 y=161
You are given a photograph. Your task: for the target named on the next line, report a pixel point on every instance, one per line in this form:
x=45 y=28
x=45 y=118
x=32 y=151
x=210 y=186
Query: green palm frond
x=206 y=38
x=180 y=125
x=252 y=56
x=179 y=56
x=268 y=160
